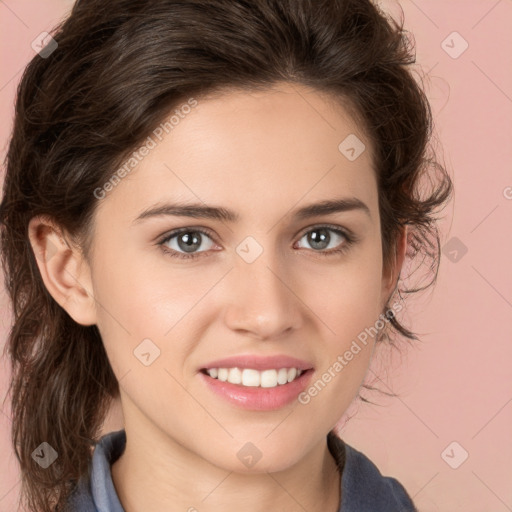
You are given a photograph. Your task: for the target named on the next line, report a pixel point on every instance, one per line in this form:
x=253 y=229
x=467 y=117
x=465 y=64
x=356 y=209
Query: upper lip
x=258 y=362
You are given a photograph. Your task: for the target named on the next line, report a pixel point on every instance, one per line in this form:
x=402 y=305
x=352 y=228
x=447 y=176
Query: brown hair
x=120 y=67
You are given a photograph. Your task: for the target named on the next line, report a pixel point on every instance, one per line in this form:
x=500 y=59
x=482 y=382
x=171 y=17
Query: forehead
x=258 y=152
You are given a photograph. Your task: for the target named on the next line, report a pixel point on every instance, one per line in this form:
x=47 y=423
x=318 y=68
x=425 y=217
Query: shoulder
x=81 y=499
x=95 y=491
x=364 y=488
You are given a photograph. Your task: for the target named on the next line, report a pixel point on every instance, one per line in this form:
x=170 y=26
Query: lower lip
x=258 y=398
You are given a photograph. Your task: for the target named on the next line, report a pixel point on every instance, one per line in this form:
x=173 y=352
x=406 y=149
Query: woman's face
x=266 y=284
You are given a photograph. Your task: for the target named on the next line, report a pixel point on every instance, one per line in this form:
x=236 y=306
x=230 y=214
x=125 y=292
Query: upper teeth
x=250 y=377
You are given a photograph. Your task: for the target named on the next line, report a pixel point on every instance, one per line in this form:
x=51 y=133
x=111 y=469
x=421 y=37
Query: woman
x=206 y=210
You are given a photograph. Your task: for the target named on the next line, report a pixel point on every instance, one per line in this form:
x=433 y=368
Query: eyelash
x=349 y=240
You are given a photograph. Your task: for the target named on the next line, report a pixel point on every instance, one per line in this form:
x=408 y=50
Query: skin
x=263 y=155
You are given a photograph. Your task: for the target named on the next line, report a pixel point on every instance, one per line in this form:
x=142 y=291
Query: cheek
x=347 y=298
x=139 y=301
x=346 y=302
x=134 y=292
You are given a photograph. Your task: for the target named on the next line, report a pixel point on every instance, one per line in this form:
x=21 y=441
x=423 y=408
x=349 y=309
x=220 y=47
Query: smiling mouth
x=249 y=377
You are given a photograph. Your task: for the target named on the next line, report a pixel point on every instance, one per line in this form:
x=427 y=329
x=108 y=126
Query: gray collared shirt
x=363 y=488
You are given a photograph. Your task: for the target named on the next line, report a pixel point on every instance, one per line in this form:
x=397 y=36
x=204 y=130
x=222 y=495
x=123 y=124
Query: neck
x=159 y=474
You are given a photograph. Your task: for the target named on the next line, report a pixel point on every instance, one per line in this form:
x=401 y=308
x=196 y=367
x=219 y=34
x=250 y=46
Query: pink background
x=456 y=385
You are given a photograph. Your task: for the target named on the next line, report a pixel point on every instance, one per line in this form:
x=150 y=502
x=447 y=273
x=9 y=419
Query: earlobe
x=64 y=270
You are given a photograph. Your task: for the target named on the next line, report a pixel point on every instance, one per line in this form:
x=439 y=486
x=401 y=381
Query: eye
x=319 y=238
x=188 y=240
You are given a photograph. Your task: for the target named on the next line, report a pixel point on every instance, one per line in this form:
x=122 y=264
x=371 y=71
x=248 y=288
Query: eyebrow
x=201 y=211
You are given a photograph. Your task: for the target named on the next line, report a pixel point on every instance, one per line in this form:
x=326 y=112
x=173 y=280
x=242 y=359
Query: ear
x=64 y=270
x=391 y=276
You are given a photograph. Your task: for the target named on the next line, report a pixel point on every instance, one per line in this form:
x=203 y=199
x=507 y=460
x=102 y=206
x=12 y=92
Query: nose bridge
x=261 y=299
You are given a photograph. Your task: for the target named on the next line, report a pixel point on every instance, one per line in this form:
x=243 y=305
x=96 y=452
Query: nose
x=261 y=301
